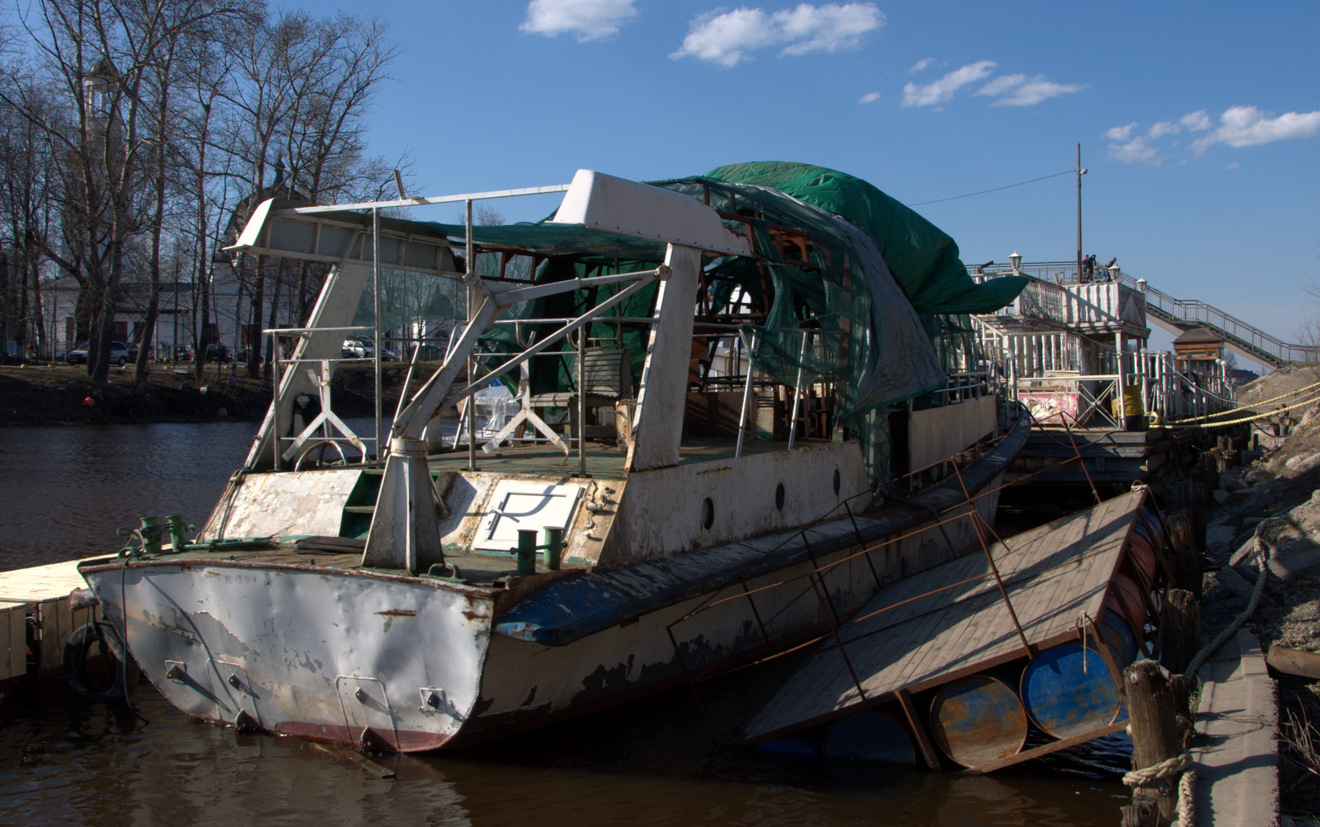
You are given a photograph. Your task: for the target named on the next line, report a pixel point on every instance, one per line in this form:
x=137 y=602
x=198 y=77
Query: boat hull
x=408 y=664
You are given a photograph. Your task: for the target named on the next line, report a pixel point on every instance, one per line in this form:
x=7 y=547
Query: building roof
x=1197 y=336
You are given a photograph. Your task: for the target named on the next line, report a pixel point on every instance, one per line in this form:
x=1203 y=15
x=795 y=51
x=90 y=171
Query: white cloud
x=1163 y=128
x=921 y=65
x=1238 y=126
x=1241 y=126
x=1196 y=121
x=587 y=19
x=729 y=38
x=1121 y=133
x=1019 y=90
x=942 y=90
x=869 y=97
x=1134 y=151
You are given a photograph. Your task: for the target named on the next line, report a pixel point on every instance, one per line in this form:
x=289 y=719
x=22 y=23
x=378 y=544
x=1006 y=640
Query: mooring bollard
x=1158 y=758
x=554 y=545
x=526 y=551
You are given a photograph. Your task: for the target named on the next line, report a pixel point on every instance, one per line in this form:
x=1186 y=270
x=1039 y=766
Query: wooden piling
x=1141 y=814
x=1180 y=629
x=1156 y=736
x=1187 y=560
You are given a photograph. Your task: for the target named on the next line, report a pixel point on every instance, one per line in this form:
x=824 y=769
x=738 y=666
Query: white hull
x=408 y=664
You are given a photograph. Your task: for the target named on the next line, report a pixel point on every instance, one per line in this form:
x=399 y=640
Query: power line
x=996 y=189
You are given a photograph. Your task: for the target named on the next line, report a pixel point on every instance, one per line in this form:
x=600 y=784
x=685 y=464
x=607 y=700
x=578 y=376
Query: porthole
x=779 y=496
x=838 y=481
x=707 y=513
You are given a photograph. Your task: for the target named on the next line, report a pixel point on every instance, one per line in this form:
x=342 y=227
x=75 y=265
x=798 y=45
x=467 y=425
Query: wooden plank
x=928 y=753
x=32 y=585
x=1294 y=662
x=13 y=640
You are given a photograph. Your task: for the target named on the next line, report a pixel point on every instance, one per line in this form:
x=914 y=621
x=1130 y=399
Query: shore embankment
x=1268 y=507
x=61 y=394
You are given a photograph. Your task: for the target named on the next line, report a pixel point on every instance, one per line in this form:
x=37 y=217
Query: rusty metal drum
x=1068 y=690
x=871 y=737
x=1128 y=599
x=977 y=720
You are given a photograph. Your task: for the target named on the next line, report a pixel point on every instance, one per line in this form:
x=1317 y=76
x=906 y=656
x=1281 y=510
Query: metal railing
x=1179 y=312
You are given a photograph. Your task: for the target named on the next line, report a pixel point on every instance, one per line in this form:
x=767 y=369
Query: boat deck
x=951 y=621
x=603 y=460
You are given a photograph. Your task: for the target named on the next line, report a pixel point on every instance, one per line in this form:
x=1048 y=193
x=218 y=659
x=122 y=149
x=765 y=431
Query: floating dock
x=37 y=618
x=1047 y=646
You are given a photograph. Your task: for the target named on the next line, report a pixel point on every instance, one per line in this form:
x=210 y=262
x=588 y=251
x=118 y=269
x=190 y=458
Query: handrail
x=1176 y=311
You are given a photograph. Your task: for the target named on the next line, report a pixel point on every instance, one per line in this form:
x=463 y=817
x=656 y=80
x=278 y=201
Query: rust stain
x=398 y=613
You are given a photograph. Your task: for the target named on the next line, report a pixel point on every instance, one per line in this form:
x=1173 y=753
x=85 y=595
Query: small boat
x=766 y=374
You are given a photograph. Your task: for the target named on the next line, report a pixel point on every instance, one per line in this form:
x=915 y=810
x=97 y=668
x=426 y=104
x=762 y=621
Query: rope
x=1186 y=809
x=1263 y=555
x=1182 y=423
x=1168 y=768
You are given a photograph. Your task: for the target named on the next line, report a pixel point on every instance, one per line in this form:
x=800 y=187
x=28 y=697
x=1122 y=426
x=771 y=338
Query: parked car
x=358 y=348
x=118 y=354
x=218 y=353
x=183 y=353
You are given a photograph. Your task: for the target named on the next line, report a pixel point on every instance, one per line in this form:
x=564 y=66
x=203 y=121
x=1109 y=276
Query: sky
x=1199 y=122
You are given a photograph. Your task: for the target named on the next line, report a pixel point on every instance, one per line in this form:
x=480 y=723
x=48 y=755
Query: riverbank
x=1273 y=502
x=64 y=394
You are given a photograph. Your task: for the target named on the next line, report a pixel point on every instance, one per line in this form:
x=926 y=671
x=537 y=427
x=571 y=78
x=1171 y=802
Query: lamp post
x=1080 y=173
x=1015 y=261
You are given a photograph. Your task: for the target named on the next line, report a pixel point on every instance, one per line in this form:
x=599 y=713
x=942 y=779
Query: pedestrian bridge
x=1175 y=315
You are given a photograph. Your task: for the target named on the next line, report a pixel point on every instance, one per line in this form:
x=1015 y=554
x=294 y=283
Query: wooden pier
x=37 y=618
x=954 y=621
x=1108 y=457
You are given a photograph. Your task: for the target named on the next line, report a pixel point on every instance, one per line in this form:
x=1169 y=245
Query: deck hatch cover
x=517 y=505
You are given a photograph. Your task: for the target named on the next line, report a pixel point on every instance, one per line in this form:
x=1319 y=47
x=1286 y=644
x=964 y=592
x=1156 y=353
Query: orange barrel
x=1142 y=555
x=871 y=737
x=1067 y=690
x=1128 y=599
x=977 y=720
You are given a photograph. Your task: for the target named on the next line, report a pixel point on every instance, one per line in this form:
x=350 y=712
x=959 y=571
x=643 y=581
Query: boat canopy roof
x=832 y=255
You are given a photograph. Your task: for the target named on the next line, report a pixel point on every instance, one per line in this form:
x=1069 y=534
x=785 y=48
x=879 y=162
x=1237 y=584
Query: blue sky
x=1199 y=122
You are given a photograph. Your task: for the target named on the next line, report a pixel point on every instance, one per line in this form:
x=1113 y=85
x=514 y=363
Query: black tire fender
x=99 y=639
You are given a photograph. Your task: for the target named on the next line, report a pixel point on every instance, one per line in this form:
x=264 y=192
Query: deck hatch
x=519 y=505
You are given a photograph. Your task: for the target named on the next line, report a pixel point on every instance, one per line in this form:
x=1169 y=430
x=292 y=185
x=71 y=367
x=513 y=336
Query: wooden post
x=1141 y=814
x=1186 y=558
x=1155 y=733
x=1180 y=629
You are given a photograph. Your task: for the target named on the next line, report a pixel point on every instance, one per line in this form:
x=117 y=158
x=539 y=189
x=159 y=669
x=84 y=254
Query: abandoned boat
x=767 y=377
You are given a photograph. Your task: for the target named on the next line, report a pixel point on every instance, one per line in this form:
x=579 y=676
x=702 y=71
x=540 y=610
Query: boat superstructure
x=711 y=386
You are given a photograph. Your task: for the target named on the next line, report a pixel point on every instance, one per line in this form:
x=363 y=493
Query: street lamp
x=1015 y=261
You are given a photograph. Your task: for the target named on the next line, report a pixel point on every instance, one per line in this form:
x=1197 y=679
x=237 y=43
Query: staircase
x=1181 y=315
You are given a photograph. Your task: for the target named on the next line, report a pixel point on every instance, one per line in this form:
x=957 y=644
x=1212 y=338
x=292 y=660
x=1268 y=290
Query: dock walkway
x=35 y=611
x=951 y=621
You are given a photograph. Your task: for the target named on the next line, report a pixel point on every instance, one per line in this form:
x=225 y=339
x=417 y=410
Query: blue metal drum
x=977 y=720
x=789 y=749
x=1067 y=690
x=871 y=737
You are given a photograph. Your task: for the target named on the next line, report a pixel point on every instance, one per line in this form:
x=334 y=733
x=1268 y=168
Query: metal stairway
x=1181 y=315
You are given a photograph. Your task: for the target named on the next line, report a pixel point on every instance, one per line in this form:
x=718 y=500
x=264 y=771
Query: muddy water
x=64 y=491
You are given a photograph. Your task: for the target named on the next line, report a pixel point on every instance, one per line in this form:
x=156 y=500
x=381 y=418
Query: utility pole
x=1080 y=173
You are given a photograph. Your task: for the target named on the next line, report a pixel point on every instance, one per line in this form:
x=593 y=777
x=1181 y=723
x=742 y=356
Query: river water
x=65 y=491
